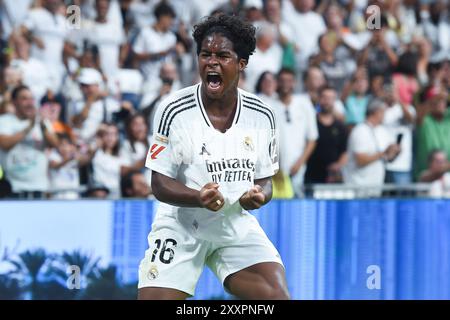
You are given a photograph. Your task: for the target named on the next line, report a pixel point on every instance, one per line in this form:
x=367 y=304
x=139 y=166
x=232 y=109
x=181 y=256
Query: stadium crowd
x=359 y=89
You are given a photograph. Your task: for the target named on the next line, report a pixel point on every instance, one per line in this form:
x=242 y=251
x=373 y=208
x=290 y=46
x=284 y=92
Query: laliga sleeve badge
x=153 y=273
x=161 y=138
x=248 y=144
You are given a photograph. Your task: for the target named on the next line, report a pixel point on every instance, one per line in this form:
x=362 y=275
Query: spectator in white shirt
x=370 y=146
x=267 y=55
x=23 y=139
x=134 y=149
x=297 y=125
x=266 y=87
x=156 y=44
x=399 y=119
x=108 y=36
x=35 y=74
x=307 y=26
x=167 y=82
x=96 y=107
x=47 y=30
x=12 y=15
x=108 y=165
x=64 y=163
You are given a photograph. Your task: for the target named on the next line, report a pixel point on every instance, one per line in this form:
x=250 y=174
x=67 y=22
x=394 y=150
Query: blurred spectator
x=35 y=74
x=108 y=36
x=307 y=26
x=97 y=191
x=433 y=126
x=52 y=109
x=167 y=82
x=64 y=163
x=23 y=138
x=97 y=106
x=399 y=120
x=370 y=146
x=438 y=173
x=46 y=29
x=134 y=149
x=267 y=56
x=272 y=13
x=378 y=55
x=156 y=44
x=266 y=87
x=356 y=102
x=436 y=27
x=134 y=185
x=329 y=156
x=107 y=164
x=297 y=129
x=12 y=15
x=141 y=13
x=336 y=70
x=9 y=79
x=404 y=79
x=314 y=80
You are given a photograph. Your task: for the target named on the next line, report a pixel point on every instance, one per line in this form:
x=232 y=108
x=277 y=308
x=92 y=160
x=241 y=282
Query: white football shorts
x=175 y=259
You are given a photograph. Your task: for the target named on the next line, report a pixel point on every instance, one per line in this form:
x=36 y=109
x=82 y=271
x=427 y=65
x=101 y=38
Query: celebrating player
x=212 y=158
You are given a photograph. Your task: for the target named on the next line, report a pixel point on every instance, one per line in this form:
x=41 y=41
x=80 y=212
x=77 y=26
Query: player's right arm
x=164 y=159
x=173 y=192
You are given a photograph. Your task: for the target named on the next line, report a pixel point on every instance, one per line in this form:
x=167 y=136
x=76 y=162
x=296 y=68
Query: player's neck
x=220 y=106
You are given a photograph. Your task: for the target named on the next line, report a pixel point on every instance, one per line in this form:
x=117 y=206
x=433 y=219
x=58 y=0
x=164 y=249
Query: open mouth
x=213 y=80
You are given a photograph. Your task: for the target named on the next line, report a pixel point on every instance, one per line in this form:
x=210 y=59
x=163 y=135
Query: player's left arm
x=258 y=195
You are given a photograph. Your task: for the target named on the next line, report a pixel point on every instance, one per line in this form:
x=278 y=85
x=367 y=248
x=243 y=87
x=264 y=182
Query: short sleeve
x=359 y=141
x=267 y=164
x=139 y=44
x=312 y=132
x=30 y=21
x=165 y=153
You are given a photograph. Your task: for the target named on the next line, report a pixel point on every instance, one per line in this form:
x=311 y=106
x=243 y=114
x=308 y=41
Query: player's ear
x=242 y=64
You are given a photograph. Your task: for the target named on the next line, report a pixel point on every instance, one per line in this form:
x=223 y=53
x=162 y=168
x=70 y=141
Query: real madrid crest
x=153 y=273
x=248 y=144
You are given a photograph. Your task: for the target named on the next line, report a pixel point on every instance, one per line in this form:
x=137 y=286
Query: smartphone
x=399 y=138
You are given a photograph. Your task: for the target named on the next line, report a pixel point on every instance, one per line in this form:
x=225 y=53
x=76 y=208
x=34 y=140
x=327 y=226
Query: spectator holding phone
x=370 y=146
x=399 y=119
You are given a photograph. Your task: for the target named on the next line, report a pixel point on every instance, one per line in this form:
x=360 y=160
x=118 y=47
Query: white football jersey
x=185 y=146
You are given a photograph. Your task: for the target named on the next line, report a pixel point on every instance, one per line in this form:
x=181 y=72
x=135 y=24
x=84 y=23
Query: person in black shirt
x=327 y=160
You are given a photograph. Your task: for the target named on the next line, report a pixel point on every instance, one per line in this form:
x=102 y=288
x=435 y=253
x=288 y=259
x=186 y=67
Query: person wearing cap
x=433 y=126
x=370 y=146
x=96 y=107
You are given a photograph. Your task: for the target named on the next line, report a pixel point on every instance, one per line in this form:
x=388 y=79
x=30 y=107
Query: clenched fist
x=210 y=197
x=253 y=198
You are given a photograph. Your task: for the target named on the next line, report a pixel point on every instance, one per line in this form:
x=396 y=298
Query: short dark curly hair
x=241 y=33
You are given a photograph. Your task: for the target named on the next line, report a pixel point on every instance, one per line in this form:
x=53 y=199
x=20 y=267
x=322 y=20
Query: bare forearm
x=363 y=159
x=79 y=118
x=266 y=185
x=173 y=192
x=310 y=146
x=7 y=142
x=51 y=138
x=407 y=114
x=342 y=159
